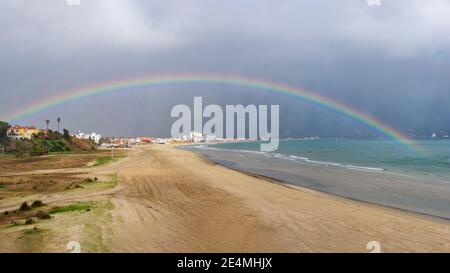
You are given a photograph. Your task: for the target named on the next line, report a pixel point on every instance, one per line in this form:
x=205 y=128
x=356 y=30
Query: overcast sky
x=391 y=61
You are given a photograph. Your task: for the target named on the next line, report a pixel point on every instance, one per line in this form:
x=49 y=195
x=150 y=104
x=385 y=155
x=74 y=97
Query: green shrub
x=80 y=206
x=38 y=149
x=66 y=134
x=43 y=215
x=21 y=148
x=105 y=160
x=37 y=203
x=54 y=145
x=24 y=206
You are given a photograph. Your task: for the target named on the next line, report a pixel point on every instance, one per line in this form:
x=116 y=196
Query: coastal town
x=19 y=132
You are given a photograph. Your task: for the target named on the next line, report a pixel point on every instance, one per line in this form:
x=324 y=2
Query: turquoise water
x=428 y=157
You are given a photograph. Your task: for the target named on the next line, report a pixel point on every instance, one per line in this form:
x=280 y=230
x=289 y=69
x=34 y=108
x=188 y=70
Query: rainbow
x=155 y=81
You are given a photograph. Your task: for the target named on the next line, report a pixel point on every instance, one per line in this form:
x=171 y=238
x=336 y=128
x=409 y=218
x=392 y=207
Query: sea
x=409 y=177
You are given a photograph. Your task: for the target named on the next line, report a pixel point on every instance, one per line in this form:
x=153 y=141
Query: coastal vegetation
x=4 y=126
x=42 y=143
x=45 y=176
x=105 y=160
x=43 y=197
x=74 y=207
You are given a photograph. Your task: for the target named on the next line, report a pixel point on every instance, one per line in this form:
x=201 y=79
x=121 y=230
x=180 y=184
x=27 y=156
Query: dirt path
x=174 y=201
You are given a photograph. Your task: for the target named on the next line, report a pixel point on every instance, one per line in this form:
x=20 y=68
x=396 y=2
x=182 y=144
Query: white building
x=93 y=136
x=211 y=138
x=196 y=137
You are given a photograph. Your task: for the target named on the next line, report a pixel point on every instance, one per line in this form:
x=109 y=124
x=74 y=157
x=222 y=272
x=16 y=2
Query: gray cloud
x=389 y=60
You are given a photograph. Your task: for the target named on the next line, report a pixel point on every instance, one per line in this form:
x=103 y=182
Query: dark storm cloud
x=389 y=60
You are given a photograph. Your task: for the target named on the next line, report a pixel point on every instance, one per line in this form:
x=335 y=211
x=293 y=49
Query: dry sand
x=174 y=201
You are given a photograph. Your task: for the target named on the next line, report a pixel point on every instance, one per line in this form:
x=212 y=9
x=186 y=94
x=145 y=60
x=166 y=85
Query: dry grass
x=36 y=183
x=55 y=161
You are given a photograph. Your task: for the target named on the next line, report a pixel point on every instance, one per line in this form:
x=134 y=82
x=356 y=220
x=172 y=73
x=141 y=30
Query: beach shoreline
x=199 y=206
x=296 y=187
x=416 y=194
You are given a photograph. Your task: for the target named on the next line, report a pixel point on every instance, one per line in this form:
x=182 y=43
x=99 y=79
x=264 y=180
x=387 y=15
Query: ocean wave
x=363 y=168
x=335 y=164
x=202 y=146
x=294 y=158
x=298 y=157
x=209 y=147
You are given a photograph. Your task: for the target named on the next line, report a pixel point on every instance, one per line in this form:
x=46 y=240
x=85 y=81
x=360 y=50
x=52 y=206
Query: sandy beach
x=175 y=201
x=172 y=200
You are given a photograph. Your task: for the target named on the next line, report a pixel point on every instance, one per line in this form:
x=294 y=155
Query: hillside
x=48 y=142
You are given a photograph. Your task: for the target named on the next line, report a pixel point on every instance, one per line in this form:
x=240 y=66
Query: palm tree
x=59 y=120
x=48 y=122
